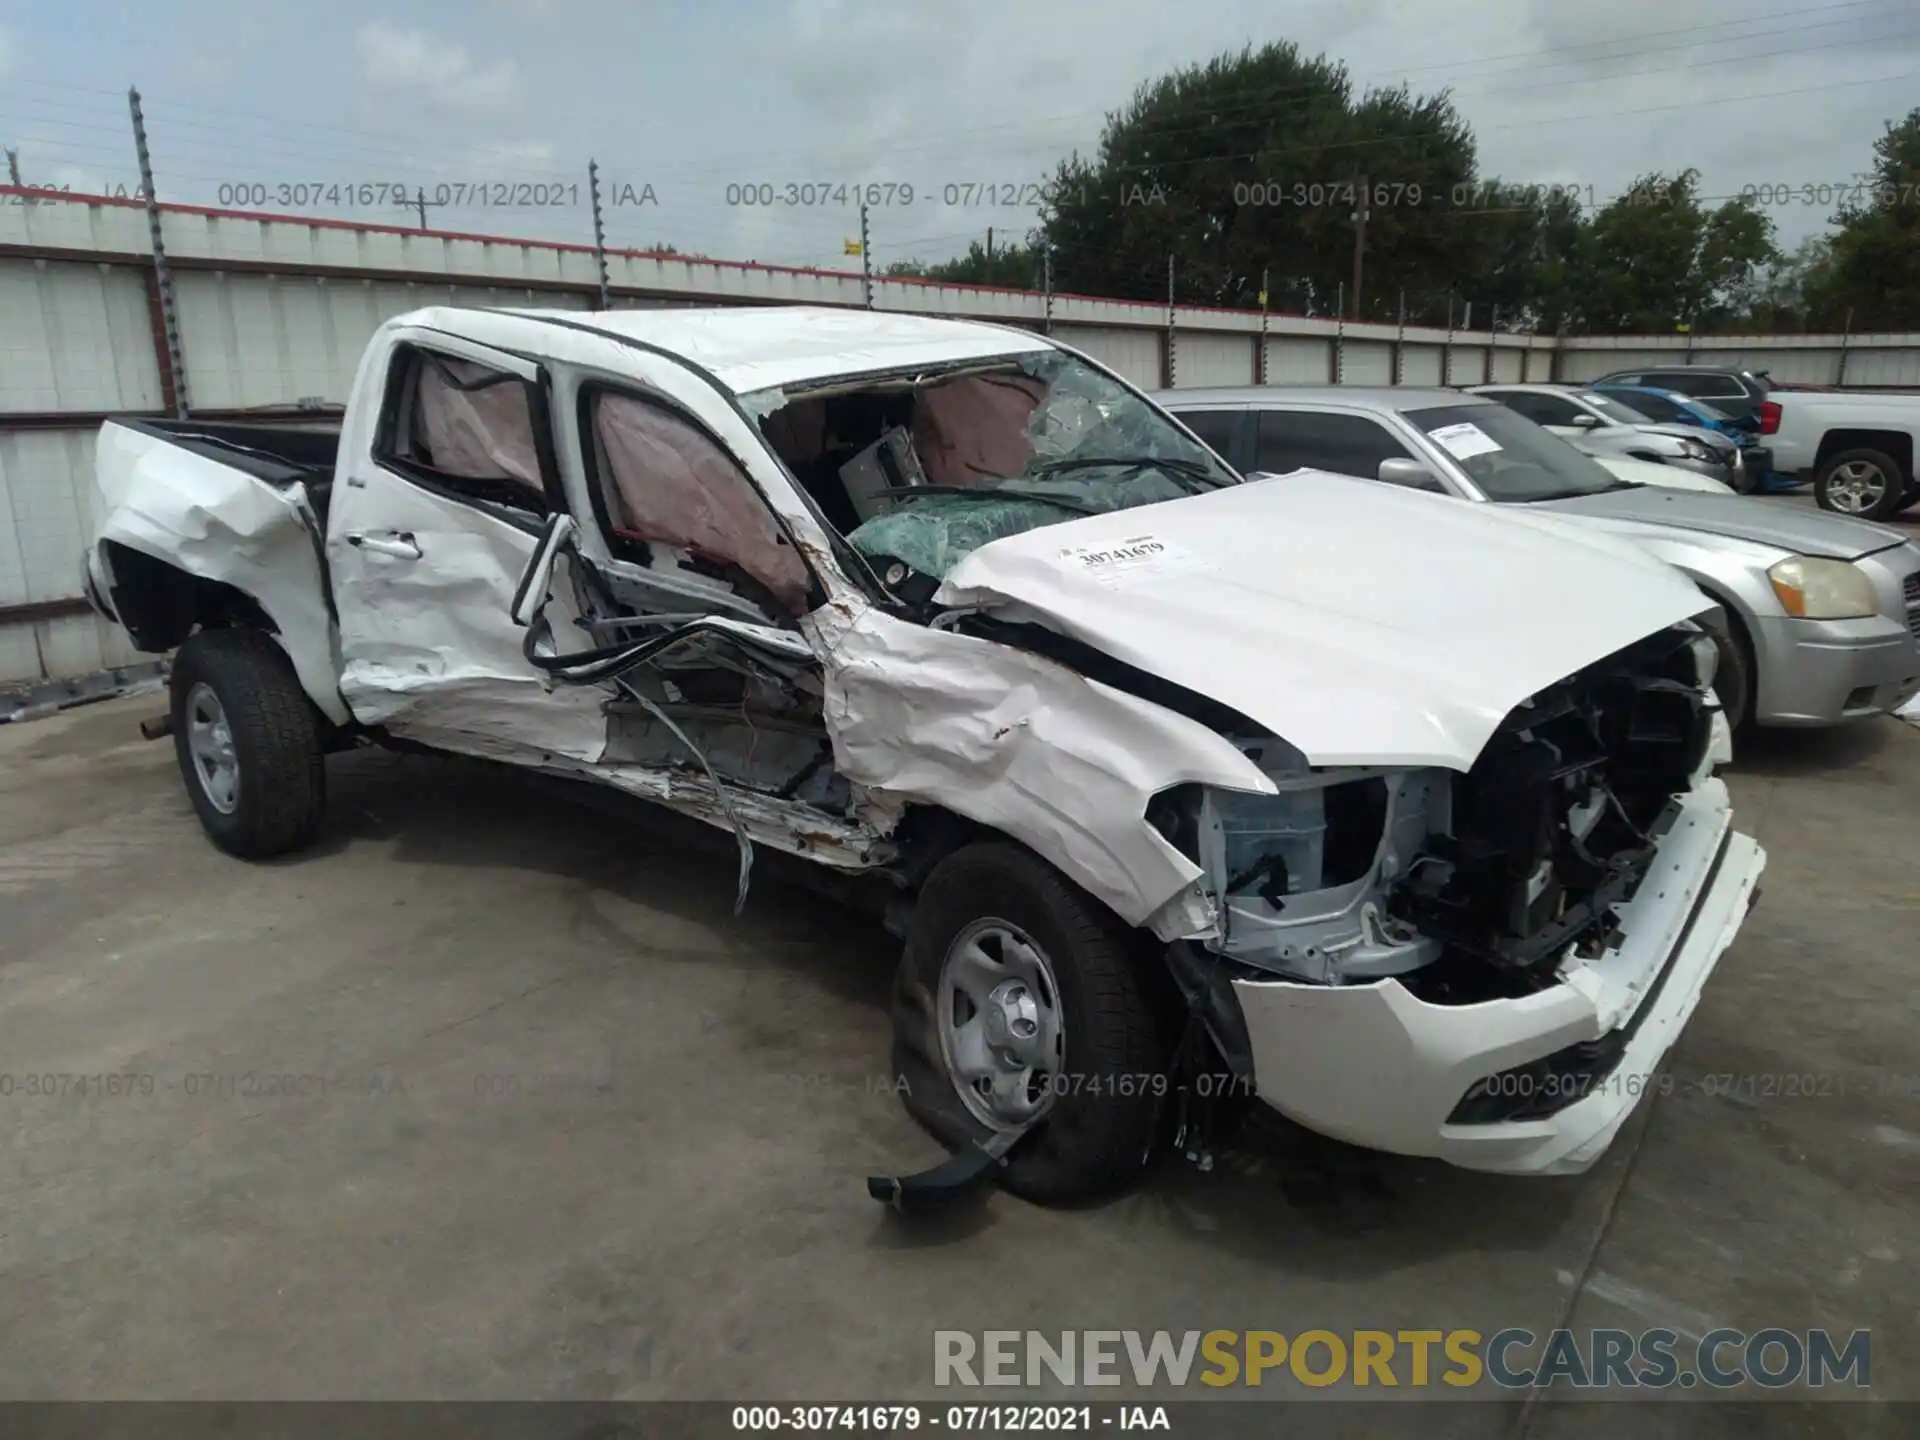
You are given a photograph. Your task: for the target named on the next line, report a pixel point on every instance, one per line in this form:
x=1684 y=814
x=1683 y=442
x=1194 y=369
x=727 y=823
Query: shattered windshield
x=954 y=461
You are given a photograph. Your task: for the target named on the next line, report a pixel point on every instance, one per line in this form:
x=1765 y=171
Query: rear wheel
x=1866 y=483
x=1021 y=1001
x=249 y=743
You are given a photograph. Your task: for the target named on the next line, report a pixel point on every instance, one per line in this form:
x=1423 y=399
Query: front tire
x=1021 y=1000
x=249 y=743
x=1867 y=484
x=1733 y=682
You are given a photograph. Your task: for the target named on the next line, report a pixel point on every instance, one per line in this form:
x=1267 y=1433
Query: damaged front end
x=1479 y=881
x=1405 y=954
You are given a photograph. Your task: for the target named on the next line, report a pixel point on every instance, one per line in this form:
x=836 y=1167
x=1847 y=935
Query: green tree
x=1009 y=267
x=1657 y=259
x=1787 y=295
x=1875 y=269
x=1248 y=164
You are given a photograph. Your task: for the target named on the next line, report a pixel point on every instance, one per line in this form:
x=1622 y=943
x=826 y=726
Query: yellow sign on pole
x=852 y=247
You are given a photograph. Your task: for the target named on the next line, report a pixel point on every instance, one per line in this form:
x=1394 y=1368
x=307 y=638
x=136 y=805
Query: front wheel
x=1866 y=483
x=1733 y=681
x=1022 y=1002
x=249 y=743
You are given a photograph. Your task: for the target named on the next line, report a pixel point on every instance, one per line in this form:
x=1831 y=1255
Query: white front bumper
x=1374 y=1065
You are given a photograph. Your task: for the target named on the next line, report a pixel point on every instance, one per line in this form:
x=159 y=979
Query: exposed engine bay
x=1467 y=886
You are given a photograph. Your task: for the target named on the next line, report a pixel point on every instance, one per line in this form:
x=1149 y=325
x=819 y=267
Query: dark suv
x=1737 y=392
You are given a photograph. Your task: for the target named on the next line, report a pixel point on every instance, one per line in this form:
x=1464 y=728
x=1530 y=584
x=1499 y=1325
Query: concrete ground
x=560 y=1126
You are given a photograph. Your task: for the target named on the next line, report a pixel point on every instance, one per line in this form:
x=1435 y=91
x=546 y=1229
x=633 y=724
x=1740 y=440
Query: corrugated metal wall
x=1298 y=360
x=1420 y=365
x=48 y=503
x=252 y=340
x=1201 y=359
x=1578 y=363
x=1134 y=354
x=1366 y=362
x=74 y=337
x=1868 y=368
x=1469 y=365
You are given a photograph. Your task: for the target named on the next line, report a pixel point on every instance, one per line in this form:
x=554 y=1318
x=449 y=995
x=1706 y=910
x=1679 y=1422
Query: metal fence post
x=1846 y=334
x=1339 y=365
x=1260 y=352
x=1170 y=364
x=1400 y=344
x=866 y=260
x=599 y=232
x=173 y=367
x=1046 y=281
x=1446 y=347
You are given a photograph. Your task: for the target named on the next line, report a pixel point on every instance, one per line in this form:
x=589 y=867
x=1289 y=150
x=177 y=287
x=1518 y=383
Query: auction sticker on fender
x=1125 y=562
x=1464 y=441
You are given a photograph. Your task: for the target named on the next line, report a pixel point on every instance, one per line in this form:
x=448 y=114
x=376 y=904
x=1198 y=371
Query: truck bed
x=276 y=453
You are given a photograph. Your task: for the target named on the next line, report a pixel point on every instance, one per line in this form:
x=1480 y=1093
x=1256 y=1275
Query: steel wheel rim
x=998 y=1014
x=1856 y=486
x=216 y=764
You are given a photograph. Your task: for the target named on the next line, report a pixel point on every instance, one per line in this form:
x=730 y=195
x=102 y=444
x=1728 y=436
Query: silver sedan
x=1822 y=611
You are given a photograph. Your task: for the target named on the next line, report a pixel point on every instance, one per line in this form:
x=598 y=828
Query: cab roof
x=752 y=348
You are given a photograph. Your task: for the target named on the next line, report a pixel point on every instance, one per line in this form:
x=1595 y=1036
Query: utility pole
x=175 y=378
x=1446 y=348
x=866 y=259
x=599 y=231
x=1846 y=334
x=419 y=204
x=989 y=244
x=1360 y=213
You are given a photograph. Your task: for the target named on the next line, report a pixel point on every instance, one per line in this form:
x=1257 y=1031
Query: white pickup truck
x=1858 y=447
x=1397 y=813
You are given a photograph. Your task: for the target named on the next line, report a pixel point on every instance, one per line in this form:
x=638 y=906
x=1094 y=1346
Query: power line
x=1263 y=98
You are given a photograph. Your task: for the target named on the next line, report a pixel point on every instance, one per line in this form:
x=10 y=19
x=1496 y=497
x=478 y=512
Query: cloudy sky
x=681 y=101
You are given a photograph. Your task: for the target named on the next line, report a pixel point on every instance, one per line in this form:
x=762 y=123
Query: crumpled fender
x=1019 y=742
x=219 y=523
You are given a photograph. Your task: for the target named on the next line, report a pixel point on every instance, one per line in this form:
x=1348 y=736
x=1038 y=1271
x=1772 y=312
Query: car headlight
x=1695 y=450
x=1822 y=589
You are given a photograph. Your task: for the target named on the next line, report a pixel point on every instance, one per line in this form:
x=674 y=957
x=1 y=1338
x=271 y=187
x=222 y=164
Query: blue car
x=1670 y=407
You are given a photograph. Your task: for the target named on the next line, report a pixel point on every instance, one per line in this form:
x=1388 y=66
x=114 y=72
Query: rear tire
x=1867 y=484
x=1101 y=1090
x=249 y=743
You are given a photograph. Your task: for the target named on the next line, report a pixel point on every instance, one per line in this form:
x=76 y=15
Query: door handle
x=398 y=543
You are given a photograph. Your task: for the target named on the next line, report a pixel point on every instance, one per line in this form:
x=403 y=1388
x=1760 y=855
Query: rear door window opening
x=467 y=430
